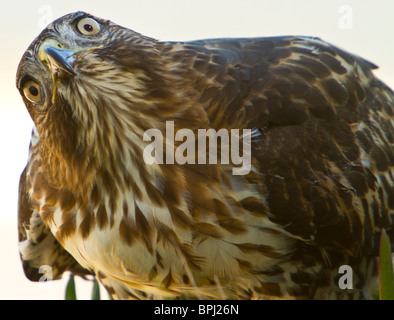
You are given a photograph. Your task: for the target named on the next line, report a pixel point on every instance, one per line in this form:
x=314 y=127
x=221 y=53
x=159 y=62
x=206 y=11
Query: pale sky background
x=369 y=33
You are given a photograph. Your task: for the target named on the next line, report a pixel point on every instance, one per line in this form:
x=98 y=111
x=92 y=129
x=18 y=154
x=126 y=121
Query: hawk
x=318 y=193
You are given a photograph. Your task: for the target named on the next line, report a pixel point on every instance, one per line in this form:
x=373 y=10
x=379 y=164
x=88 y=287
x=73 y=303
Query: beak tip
x=58 y=57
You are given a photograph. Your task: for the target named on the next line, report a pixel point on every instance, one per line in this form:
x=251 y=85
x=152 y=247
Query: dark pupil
x=33 y=90
x=88 y=27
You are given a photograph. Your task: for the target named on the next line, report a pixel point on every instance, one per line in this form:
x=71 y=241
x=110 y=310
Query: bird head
x=92 y=88
x=76 y=61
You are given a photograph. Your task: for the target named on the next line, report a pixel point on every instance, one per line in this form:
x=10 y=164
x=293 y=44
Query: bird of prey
x=317 y=195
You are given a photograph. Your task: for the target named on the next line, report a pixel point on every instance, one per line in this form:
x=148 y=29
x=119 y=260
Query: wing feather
x=37 y=246
x=326 y=131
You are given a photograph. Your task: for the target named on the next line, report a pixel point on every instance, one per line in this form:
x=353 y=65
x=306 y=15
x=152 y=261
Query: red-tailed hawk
x=318 y=190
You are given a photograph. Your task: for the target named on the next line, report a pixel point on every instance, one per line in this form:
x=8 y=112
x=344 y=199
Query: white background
x=362 y=27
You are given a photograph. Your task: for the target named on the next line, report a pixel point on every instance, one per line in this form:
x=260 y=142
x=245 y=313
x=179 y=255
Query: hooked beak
x=58 y=58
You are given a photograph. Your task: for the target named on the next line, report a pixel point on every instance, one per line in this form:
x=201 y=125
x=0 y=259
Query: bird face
x=79 y=77
x=53 y=56
x=73 y=62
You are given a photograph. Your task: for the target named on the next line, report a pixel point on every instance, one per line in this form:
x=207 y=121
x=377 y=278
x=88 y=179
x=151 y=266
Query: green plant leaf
x=96 y=290
x=70 y=289
x=386 y=285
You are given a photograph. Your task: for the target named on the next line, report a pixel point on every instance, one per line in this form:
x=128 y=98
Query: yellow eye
x=32 y=92
x=88 y=26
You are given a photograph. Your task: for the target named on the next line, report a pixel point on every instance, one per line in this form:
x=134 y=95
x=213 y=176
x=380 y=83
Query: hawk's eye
x=88 y=26
x=32 y=92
